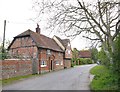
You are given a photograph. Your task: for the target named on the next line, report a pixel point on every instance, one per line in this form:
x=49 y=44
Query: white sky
x=18 y=14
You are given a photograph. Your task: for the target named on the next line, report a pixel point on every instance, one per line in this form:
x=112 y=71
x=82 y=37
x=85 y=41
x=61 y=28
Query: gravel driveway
x=76 y=78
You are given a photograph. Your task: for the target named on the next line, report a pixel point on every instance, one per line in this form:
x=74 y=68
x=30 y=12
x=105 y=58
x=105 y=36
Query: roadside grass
x=4 y=82
x=104 y=79
x=14 y=79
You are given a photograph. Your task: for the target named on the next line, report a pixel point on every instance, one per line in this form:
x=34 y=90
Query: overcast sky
x=18 y=14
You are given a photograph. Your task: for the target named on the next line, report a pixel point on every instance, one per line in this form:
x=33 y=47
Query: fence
x=12 y=68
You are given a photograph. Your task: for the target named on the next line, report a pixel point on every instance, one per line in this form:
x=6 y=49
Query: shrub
x=85 y=61
x=104 y=79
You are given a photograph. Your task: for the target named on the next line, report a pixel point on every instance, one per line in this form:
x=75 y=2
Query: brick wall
x=68 y=52
x=13 y=68
x=67 y=63
x=54 y=57
x=23 y=48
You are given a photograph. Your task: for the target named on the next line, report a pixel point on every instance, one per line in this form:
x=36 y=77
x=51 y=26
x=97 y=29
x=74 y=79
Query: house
x=66 y=47
x=84 y=54
x=47 y=54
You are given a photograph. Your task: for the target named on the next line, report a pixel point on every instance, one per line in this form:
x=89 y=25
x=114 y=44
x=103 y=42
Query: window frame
x=57 y=62
x=43 y=63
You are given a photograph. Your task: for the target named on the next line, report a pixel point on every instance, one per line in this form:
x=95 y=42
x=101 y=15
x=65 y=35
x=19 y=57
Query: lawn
x=104 y=79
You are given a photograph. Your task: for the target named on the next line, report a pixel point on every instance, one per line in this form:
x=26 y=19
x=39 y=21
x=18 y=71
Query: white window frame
x=61 y=62
x=48 y=52
x=69 y=51
x=57 y=62
x=43 y=64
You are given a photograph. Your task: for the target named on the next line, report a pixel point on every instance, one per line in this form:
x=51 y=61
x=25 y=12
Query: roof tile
x=41 y=40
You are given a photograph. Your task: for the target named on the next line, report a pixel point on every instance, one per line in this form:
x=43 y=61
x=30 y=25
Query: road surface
x=76 y=78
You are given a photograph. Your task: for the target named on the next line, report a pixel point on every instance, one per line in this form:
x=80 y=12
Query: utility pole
x=3 y=50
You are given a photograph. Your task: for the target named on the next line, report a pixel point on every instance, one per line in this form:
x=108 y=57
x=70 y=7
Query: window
x=69 y=51
x=21 y=41
x=48 y=52
x=32 y=41
x=16 y=52
x=43 y=63
x=57 y=62
x=59 y=54
x=61 y=62
x=68 y=44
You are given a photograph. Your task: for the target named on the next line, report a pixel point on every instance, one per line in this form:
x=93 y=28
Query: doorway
x=51 y=65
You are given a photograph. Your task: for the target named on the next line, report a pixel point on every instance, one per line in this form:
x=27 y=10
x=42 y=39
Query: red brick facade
x=52 y=61
x=85 y=54
x=44 y=52
x=13 y=68
x=23 y=48
x=29 y=50
x=68 y=52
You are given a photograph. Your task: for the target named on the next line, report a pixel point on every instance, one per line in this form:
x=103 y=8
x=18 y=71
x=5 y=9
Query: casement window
x=57 y=62
x=61 y=62
x=48 y=52
x=69 y=51
x=43 y=63
x=32 y=41
x=59 y=54
x=68 y=44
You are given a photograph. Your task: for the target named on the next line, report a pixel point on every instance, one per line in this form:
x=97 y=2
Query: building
x=47 y=54
x=85 y=54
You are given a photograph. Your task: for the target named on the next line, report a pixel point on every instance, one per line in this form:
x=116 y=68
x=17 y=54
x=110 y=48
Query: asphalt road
x=76 y=78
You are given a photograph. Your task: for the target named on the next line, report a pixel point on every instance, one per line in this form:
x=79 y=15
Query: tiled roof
x=41 y=40
x=26 y=33
x=85 y=54
x=63 y=41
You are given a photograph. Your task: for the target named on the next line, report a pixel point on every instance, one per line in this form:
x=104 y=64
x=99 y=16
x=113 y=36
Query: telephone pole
x=3 y=48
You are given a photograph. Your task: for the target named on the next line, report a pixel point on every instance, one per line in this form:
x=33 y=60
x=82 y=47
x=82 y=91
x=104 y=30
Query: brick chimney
x=38 y=29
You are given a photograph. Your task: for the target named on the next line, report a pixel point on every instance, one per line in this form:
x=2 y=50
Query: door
x=51 y=65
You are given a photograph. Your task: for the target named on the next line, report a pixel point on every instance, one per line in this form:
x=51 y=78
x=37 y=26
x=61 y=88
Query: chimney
x=38 y=29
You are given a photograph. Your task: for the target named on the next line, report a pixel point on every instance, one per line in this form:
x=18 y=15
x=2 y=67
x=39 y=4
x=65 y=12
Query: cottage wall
x=43 y=59
x=50 y=61
x=23 y=48
x=67 y=63
x=68 y=56
x=68 y=52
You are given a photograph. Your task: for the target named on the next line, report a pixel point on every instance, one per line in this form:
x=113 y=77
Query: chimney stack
x=38 y=29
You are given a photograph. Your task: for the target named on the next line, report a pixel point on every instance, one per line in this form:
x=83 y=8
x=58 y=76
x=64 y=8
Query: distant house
x=47 y=54
x=85 y=54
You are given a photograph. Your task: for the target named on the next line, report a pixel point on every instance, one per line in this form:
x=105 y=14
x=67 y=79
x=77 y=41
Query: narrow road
x=76 y=78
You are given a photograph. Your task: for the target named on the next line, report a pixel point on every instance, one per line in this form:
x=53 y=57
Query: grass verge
x=14 y=79
x=104 y=79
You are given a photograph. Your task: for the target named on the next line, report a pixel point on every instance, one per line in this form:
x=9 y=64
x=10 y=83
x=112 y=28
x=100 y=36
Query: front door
x=51 y=65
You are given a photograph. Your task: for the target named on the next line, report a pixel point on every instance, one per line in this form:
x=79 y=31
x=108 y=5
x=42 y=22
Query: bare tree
x=73 y=17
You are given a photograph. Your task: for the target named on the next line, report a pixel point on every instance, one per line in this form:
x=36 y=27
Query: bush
x=104 y=79
x=85 y=61
x=72 y=62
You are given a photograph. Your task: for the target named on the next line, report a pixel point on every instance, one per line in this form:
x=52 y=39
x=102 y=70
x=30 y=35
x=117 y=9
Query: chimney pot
x=38 y=29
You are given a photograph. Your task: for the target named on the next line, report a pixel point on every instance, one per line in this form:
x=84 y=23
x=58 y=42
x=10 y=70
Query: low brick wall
x=13 y=68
